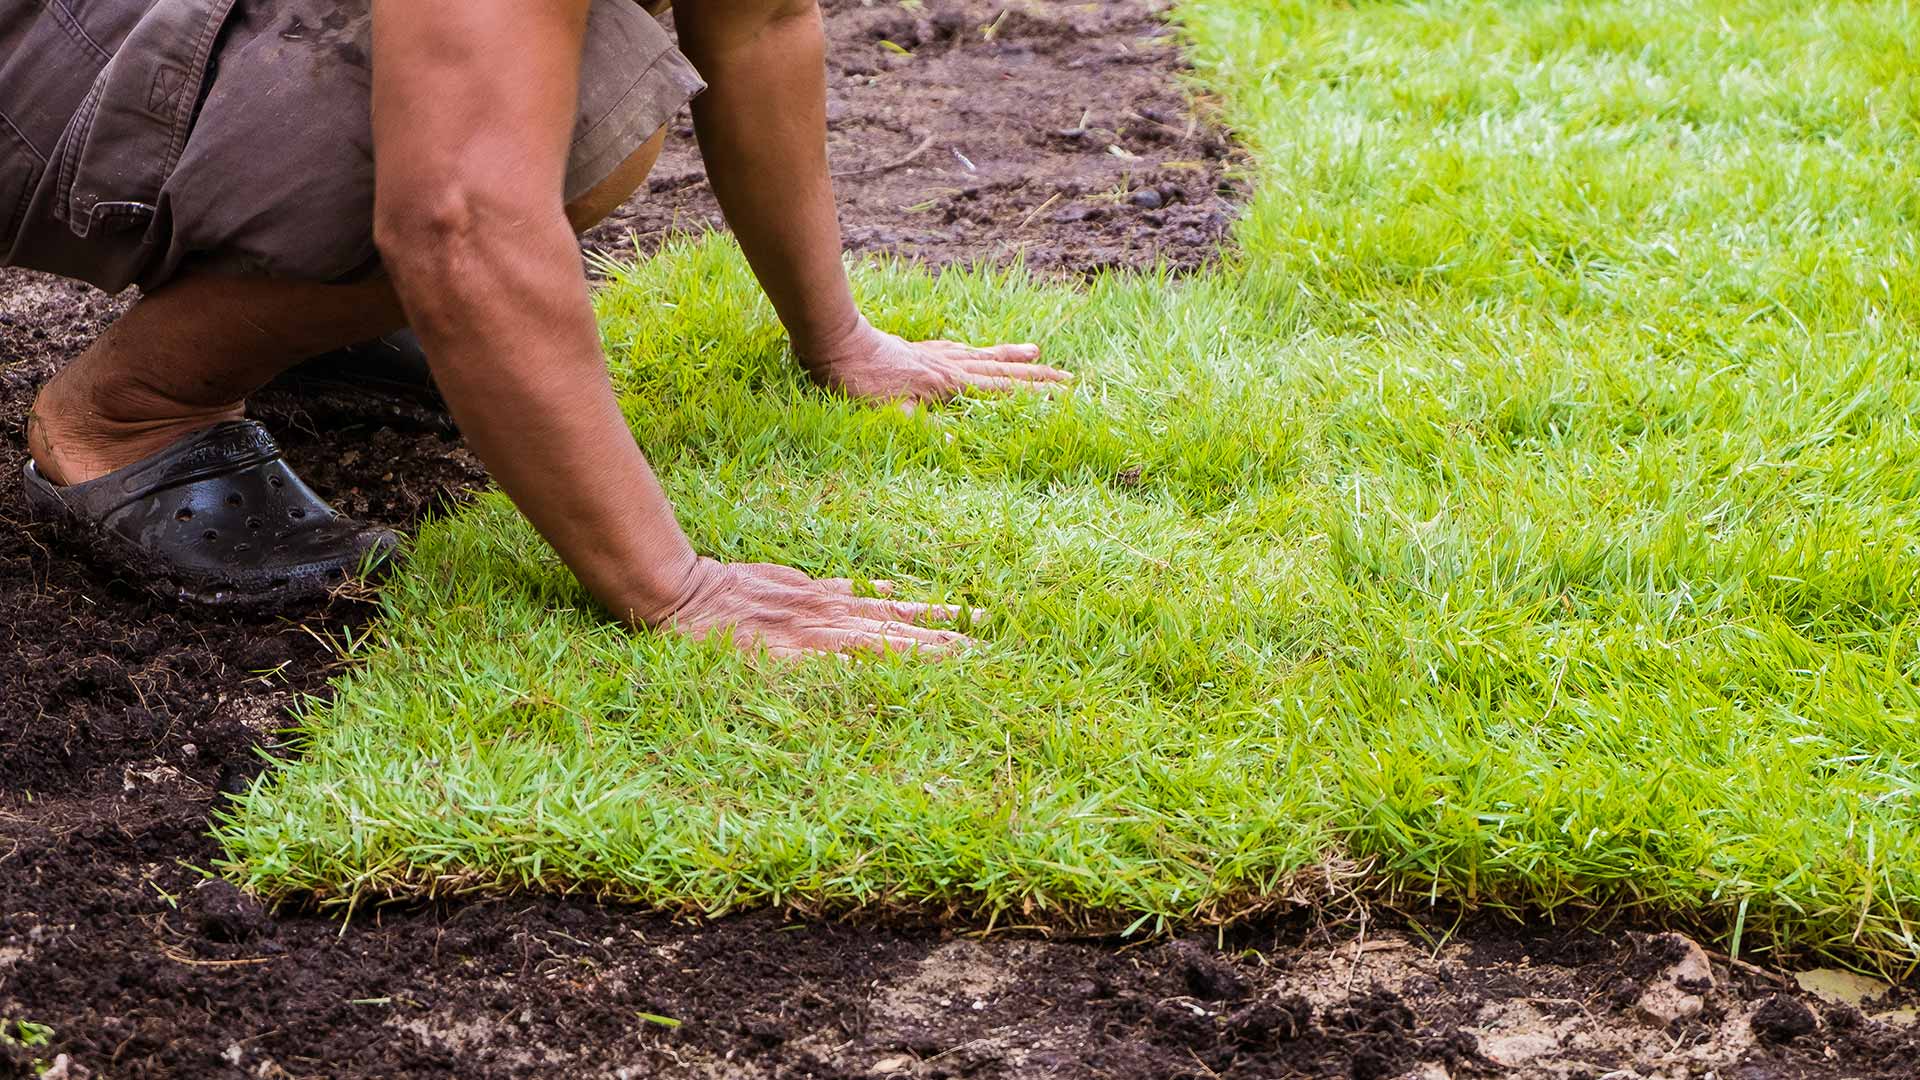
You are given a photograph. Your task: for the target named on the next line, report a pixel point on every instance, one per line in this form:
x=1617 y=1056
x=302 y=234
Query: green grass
x=1528 y=515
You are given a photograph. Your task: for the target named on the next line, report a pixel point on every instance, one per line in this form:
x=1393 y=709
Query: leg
x=186 y=357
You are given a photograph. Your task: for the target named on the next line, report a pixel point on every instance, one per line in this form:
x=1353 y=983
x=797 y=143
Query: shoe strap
x=222 y=449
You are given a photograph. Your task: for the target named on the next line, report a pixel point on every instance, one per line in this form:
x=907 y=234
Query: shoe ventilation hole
x=242 y=547
x=276 y=481
x=185 y=513
x=209 y=535
x=234 y=499
x=253 y=523
x=296 y=513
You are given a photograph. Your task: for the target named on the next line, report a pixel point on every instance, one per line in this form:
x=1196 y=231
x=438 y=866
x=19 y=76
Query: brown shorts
x=138 y=137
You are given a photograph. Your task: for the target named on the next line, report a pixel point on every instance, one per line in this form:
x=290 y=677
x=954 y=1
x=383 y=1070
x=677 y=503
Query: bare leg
x=186 y=356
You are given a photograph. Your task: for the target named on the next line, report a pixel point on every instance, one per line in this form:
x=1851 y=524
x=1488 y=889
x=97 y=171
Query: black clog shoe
x=216 y=519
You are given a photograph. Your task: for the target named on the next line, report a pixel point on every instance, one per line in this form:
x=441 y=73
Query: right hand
x=786 y=613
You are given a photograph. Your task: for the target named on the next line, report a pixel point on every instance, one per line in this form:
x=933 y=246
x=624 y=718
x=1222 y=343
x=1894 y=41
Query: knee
x=606 y=196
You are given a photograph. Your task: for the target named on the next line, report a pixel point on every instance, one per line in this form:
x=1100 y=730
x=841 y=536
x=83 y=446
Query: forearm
x=762 y=127
x=516 y=353
x=473 y=109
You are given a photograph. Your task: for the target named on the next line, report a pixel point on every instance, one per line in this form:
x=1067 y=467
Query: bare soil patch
x=974 y=130
x=124 y=724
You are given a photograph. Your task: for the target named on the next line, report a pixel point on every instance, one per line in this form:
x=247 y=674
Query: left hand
x=877 y=366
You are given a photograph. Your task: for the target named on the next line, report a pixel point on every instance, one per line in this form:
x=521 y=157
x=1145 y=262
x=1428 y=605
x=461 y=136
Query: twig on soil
x=889 y=166
x=1158 y=123
x=179 y=957
x=1202 y=1064
x=1755 y=970
x=1035 y=212
x=1359 y=954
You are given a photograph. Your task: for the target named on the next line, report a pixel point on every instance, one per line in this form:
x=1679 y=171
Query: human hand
x=877 y=366
x=786 y=613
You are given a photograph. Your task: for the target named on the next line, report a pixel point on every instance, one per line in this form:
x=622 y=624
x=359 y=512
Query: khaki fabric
x=142 y=137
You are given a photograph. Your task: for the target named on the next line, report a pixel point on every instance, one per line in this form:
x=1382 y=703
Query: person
x=285 y=178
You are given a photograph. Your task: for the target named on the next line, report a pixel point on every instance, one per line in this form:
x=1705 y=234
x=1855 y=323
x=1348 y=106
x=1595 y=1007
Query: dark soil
x=977 y=130
x=123 y=724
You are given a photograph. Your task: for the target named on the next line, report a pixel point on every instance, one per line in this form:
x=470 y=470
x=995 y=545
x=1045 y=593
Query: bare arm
x=473 y=107
x=763 y=132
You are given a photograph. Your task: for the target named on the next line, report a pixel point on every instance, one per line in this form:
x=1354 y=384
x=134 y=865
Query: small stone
x=1676 y=993
x=1518 y=1049
x=1146 y=199
x=65 y=1068
x=892 y=1066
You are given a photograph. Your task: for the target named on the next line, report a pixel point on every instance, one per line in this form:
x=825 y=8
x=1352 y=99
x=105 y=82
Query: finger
x=855 y=640
x=1000 y=384
x=1025 y=372
x=848 y=587
x=1013 y=354
x=791 y=654
x=906 y=611
x=926 y=635
x=879 y=644
x=916 y=636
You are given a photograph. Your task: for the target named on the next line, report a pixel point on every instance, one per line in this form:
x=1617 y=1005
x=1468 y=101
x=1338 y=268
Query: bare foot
x=77 y=433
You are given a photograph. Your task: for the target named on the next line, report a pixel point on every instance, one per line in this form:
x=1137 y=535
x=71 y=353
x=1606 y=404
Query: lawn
x=1526 y=514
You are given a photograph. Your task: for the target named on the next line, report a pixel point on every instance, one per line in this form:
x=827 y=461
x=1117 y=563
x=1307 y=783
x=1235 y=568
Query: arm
x=762 y=126
x=473 y=107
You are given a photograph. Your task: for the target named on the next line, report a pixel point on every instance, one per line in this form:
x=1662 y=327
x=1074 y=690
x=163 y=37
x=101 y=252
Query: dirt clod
x=222 y=913
x=1264 y=1025
x=1782 y=1019
x=1208 y=976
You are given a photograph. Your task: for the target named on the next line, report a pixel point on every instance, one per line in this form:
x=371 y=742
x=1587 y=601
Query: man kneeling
x=286 y=179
